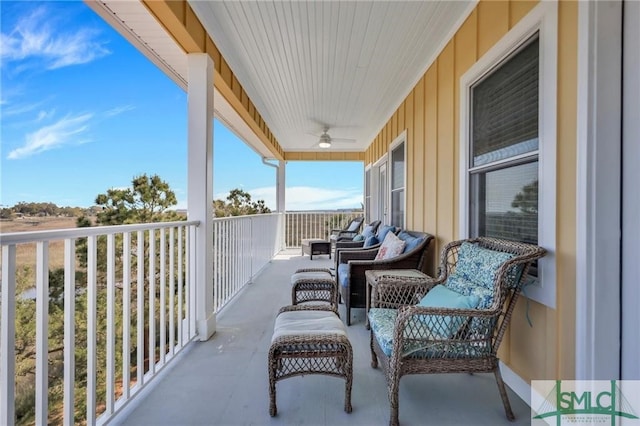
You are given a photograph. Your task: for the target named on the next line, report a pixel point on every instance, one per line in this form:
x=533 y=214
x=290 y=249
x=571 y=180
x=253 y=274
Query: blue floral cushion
x=370 y=241
x=343 y=274
x=382 y=323
x=463 y=286
x=443 y=297
x=479 y=265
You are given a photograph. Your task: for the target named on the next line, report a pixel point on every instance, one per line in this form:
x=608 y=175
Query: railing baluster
x=8 y=336
x=111 y=319
x=180 y=286
x=126 y=312
x=140 y=309
x=42 y=332
x=92 y=328
x=152 y=299
x=163 y=293
x=69 y=330
x=172 y=289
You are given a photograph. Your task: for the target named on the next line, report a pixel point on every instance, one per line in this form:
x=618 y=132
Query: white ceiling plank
x=305 y=64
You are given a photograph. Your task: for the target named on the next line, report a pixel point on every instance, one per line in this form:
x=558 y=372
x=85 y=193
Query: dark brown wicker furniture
x=313 y=285
x=296 y=351
x=348 y=231
x=351 y=280
x=314 y=246
x=348 y=242
x=416 y=349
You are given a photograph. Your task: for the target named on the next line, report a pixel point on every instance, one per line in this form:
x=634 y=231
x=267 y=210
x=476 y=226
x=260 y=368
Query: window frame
x=542 y=19
x=401 y=140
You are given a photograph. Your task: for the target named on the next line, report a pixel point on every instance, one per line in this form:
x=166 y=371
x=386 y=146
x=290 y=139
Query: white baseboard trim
x=516 y=383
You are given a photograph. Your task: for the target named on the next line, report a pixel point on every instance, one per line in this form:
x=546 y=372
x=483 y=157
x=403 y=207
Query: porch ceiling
x=307 y=65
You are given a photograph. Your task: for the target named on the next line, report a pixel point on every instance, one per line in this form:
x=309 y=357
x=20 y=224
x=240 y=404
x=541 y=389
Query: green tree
x=527 y=199
x=146 y=201
x=239 y=203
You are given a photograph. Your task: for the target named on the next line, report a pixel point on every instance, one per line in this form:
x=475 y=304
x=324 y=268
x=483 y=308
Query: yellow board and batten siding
x=431 y=113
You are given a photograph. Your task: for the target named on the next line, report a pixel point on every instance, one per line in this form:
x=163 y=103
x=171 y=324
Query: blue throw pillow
x=370 y=241
x=411 y=241
x=440 y=296
x=382 y=233
x=367 y=231
x=358 y=237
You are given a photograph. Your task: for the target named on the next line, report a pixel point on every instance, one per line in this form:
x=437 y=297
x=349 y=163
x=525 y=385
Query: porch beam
x=200 y=184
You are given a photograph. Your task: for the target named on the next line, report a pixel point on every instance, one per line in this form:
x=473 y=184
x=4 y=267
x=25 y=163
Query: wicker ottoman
x=314 y=285
x=309 y=339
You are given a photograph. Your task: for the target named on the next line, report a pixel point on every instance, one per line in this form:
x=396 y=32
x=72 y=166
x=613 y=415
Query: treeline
x=45 y=210
x=117 y=202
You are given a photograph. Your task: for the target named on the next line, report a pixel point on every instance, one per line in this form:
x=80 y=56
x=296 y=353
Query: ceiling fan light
x=324 y=144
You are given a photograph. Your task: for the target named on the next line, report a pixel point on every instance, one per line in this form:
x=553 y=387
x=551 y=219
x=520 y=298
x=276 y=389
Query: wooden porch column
x=200 y=184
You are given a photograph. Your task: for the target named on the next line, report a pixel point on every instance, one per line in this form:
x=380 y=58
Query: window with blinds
x=398 y=185
x=503 y=160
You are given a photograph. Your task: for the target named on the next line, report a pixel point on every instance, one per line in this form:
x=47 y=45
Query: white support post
x=280 y=203
x=200 y=184
x=598 y=195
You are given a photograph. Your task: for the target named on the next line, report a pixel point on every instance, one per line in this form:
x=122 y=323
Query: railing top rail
x=59 y=234
x=246 y=216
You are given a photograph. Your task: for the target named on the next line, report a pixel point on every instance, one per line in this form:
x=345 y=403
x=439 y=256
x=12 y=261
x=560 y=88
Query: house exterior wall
x=431 y=114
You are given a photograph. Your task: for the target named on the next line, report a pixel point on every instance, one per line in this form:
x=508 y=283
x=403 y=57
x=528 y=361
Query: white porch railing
x=105 y=351
x=117 y=334
x=315 y=224
x=242 y=246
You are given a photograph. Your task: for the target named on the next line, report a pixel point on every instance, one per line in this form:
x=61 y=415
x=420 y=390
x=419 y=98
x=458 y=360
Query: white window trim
x=368 y=185
x=542 y=18
x=400 y=139
x=375 y=187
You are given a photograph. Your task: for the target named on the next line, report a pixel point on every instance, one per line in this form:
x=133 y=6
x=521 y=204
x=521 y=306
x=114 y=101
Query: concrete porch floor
x=224 y=381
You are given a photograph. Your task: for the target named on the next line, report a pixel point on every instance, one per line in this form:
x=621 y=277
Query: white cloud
x=307 y=197
x=119 y=110
x=33 y=37
x=66 y=131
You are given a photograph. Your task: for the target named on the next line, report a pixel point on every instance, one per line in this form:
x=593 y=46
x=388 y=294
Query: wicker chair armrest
x=341 y=244
x=394 y=292
x=309 y=307
x=344 y=256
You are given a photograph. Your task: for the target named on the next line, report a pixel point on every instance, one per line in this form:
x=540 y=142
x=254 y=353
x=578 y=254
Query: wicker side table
x=296 y=349
x=392 y=281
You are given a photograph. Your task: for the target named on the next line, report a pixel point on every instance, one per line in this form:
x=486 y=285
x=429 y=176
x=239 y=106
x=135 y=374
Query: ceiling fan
x=325 y=139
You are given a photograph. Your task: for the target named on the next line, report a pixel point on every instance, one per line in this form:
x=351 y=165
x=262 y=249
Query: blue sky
x=83 y=111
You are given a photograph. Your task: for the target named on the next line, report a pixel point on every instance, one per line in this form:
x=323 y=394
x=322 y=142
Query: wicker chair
x=351 y=265
x=348 y=242
x=350 y=231
x=415 y=339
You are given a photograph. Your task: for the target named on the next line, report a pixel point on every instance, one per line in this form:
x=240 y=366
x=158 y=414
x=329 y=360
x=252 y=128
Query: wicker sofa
x=351 y=265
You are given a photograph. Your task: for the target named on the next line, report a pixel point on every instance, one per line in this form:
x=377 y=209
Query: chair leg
x=374 y=357
x=348 y=308
x=503 y=394
x=273 y=409
x=394 y=387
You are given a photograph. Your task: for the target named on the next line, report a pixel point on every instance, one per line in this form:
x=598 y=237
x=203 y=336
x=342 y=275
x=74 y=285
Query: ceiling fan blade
x=343 y=140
